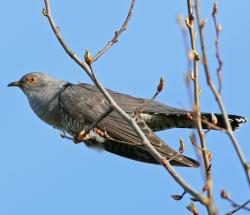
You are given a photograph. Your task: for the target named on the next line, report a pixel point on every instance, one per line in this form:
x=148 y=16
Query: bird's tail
x=218 y=120
x=182 y=119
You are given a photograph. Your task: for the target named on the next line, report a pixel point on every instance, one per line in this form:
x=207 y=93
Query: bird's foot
x=63 y=135
x=101 y=133
x=82 y=136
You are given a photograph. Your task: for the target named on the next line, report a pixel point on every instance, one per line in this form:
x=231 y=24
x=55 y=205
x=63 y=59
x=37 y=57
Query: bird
x=73 y=108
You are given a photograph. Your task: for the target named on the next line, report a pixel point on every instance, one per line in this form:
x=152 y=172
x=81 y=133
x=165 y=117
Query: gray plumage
x=73 y=107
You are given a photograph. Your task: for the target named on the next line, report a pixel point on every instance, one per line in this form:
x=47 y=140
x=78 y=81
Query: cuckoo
x=72 y=108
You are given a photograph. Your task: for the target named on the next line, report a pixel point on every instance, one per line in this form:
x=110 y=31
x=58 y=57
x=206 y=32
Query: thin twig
x=201 y=198
x=99 y=119
x=217 y=45
x=236 y=205
x=184 y=32
x=219 y=100
x=190 y=23
x=188 y=73
x=117 y=34
x=138 y=110
x=225 y=195
x=238 y=208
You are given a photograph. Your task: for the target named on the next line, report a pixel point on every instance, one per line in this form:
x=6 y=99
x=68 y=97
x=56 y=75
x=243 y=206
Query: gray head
x=42 y=93
x=34 y=82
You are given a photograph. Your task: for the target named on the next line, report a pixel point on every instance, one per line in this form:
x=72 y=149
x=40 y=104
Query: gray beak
x=15 y=84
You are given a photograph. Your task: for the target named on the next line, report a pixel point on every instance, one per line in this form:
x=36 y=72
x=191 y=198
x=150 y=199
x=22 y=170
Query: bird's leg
x=101 y=133
x=84 y=134
x=63 y=135
x=81 y=137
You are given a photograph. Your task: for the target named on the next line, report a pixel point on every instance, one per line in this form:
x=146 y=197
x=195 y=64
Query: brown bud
x=190 y=21
x=45 y=12
x=177 y=197
x=161 y=85
x=191 y=207
x=196 y=56
x=182 y=146
x=224 y=194
x=219 y=27
x=209 y=155
x=214 y=119
x=204 y=188
x=203 y=23
x=215 y=9
x=191 y=74
x=87 y=57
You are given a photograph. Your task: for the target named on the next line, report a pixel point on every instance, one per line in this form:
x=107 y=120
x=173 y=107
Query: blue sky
x=44 y=174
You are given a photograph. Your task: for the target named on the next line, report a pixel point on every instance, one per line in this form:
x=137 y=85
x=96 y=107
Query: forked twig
x=239 y=208
x=225 y=195
x=117 y=34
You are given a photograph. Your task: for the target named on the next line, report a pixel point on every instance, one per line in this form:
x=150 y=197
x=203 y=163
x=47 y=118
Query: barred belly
x=71 y=125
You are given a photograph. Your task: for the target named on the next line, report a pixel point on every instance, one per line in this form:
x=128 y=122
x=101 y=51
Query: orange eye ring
x=31 y=80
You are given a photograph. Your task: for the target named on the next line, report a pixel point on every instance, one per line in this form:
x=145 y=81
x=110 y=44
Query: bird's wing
x=130 y=103
x=85 y=103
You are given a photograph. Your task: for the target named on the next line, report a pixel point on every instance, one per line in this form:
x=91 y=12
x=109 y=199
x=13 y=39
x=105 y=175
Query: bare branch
x=239 y=208
x=141 y=108
x=202 y=199
x=225 y=195
x=117 y=34
x=219 y=100
x=99 y=119
x=190 y=24
x=218 y=29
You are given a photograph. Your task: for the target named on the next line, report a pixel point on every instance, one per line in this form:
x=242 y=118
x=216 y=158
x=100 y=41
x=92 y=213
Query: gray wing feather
x=84 y=103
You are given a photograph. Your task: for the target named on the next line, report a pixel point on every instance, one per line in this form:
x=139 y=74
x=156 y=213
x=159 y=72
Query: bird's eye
x=31 y=79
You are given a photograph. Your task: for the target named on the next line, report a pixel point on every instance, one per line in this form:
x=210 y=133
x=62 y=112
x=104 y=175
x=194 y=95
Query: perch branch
x=99 y=119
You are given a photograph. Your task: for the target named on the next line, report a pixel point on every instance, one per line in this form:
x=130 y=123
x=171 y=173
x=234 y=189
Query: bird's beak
x=15 y=84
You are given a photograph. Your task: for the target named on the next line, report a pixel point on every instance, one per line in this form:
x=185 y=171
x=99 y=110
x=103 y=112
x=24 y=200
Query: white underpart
x=147 y=117
x=94 y=136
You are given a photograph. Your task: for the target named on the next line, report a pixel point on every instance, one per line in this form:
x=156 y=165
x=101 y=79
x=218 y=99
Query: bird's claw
x=81 y=137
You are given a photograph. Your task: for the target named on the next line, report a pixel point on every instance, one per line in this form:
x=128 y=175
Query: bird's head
x=33 y=83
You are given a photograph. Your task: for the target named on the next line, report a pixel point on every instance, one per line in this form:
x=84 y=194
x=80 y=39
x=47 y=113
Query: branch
x=117 y=34
x=138 y=111
x=99 y=119
x=201 y=198
x=225 y=195
x=218 y=98
x=190 y=23
x=238 y=208
x=217 y=45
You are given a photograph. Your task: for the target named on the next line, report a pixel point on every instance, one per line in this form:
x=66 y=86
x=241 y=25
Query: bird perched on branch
x=72 y=108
